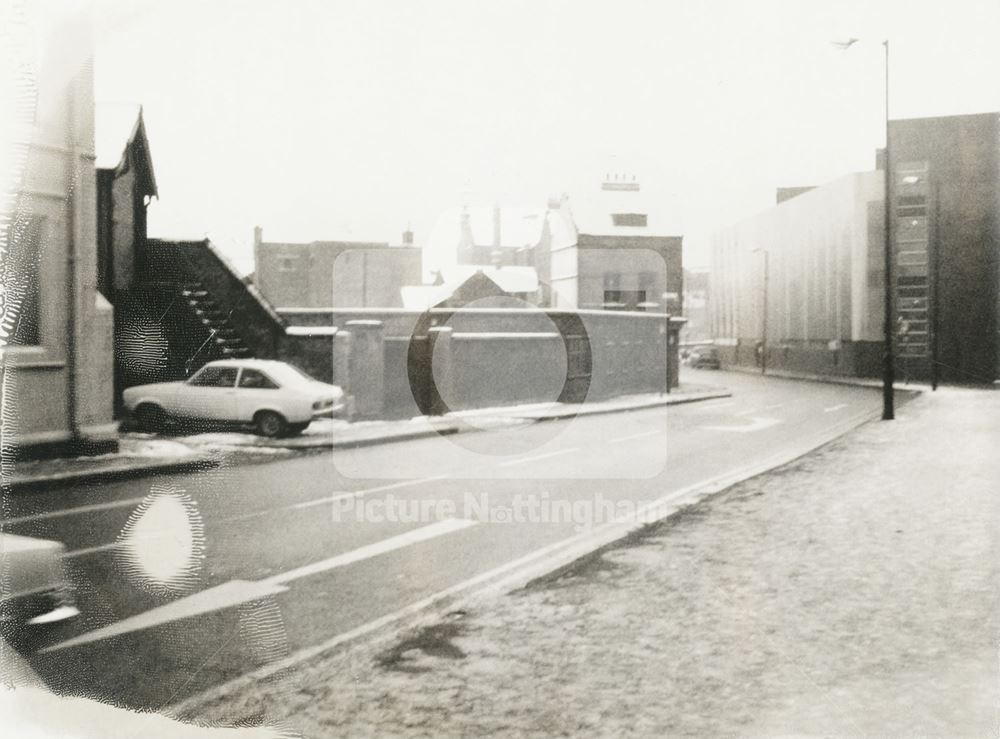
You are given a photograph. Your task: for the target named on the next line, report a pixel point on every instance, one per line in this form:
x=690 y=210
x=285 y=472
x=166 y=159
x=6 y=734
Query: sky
x=354 y=120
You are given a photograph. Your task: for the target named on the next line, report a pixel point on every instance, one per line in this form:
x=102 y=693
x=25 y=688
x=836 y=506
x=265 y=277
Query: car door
x=210 y=395
x=254 y=391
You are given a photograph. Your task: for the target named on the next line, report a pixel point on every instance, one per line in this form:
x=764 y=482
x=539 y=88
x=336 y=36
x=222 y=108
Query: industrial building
x=800 y=287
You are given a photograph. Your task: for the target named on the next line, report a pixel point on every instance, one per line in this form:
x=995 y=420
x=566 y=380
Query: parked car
x=275 y=397
x=705 y=356
x=35 y=589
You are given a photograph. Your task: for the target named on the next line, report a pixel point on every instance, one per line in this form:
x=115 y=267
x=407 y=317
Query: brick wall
x=501 y=356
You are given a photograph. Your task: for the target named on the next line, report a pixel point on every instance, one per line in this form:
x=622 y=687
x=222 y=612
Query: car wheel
x=151 y=418
x=270 y=424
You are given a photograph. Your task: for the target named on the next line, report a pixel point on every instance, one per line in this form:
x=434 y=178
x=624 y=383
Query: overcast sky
x=351 y=120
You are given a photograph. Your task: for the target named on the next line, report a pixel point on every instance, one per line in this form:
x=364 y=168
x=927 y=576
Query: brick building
x=619 y=257
x=335 y=274
x=945 y=200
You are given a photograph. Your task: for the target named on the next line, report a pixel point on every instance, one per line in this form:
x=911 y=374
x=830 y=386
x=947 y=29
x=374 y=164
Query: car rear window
x=257 y=380
x=215 y=377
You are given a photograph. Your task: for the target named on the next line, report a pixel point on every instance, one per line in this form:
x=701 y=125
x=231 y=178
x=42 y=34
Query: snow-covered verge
x=849 y=593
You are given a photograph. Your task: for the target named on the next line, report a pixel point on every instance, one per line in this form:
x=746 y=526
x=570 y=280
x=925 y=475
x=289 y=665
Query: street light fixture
x=888 y=359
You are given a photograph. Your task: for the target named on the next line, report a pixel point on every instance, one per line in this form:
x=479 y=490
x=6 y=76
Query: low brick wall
x=495 y=356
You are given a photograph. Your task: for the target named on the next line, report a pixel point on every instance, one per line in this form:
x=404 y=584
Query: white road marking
x=833 y=408
x=235 y=592
x=773 y=406
x=256 y=514
x=424 y=533
x=525 y=460
x=757 y=423
x=643 y=435
x=334 y=497
x=93 y=550
x=221 y=596
x=72 y=511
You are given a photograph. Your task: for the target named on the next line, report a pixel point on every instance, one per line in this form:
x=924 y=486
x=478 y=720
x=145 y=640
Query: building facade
x=945 y=201
x=334 y=274
x=125 y=185
x=802 y=282
x=801 y=286
x=56 y=390
x=616 y=256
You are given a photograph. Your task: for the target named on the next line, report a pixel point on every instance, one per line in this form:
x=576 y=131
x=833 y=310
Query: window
x=287 y=264
x=19 y=274
x=215 y=377
x=629 y=219
x=257 y=380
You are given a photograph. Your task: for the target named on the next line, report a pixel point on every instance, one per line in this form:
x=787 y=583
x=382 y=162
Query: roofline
x=139 y=127
x=629 y=236
x=984 y=114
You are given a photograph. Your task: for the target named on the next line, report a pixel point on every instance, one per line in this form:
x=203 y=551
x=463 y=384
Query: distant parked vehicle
x=705 y=357
x=35 y=588
x=276 y=398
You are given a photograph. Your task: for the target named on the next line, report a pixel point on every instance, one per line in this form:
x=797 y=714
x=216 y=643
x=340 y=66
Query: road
x=188 y=581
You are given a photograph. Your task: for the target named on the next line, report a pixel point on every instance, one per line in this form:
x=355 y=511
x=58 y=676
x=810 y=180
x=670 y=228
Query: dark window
x=578 y=360
x=612 y=290
x=19 y=303
x=628 y=219
x=257 y=380
x=215 y=377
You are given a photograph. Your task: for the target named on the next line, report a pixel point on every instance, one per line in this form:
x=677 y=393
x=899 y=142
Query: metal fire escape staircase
x=223 y=341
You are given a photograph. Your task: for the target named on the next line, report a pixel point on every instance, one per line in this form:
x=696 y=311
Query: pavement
x=851 y=592
x=142 y=454
x=901 y=384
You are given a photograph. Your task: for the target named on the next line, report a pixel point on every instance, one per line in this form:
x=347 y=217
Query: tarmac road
x=188 y=581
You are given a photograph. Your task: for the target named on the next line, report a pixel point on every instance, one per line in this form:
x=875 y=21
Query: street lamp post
x=763 y=316
x=889 y=365
x=888 y=360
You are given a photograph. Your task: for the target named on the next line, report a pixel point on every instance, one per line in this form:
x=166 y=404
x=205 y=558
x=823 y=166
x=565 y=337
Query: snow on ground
x=849 y=593
x=153 y=447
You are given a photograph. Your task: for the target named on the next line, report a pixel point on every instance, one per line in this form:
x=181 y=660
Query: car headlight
x=317 y=405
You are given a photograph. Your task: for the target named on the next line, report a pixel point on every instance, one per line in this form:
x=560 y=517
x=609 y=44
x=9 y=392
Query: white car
x=34 y=588
x=277 y=398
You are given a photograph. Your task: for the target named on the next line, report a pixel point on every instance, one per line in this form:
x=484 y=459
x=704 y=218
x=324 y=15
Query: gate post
x=367 y=367
x=342 y=341
x=440 y=368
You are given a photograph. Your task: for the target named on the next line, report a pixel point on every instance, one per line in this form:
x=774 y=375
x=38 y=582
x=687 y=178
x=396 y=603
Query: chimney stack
x=258 y=235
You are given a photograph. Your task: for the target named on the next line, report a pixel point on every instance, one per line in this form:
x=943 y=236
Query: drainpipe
x=71 y=308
